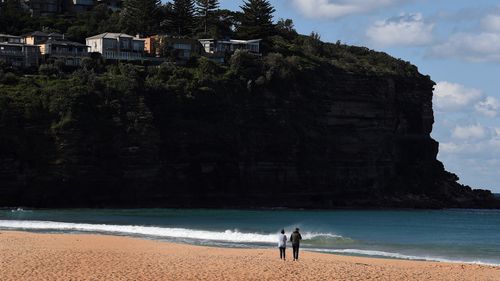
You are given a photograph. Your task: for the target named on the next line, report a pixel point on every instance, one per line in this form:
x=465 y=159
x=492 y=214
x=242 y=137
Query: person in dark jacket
x=295 y=238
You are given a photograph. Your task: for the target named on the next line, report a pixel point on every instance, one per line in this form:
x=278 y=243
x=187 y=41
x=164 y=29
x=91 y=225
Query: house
x=38 y=37
x=20 y=55
x=71 y=52
x=117 y=46
x=10 y=38
x=181 y=47
x=44 y=7
x=213 y=46
x=78 y=5
x=54 y=46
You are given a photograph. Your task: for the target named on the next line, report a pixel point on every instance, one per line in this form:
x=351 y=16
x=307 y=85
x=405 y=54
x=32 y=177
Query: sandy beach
x=33 y=256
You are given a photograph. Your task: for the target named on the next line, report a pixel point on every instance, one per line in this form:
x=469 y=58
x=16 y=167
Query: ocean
x=469 y=236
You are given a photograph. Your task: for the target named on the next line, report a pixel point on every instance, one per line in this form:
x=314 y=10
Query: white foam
x=18 y=210
x=224 y=236
x=373 y=253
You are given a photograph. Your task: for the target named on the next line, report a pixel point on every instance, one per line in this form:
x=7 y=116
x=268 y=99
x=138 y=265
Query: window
x=180 y=46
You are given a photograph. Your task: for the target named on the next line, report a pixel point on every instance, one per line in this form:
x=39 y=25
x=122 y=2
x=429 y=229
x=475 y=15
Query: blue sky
x=456 y=42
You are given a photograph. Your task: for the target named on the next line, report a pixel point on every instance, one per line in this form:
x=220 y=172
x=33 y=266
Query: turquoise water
x=441 y=235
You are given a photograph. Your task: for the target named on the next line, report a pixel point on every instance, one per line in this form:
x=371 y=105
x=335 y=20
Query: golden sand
x=32 y=256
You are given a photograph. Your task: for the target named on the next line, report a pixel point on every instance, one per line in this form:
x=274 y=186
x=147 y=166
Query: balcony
x=123 y=55
x=68 y=54
x=12 y=53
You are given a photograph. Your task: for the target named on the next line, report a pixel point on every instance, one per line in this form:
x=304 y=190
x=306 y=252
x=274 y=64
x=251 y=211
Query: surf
x=155 y=231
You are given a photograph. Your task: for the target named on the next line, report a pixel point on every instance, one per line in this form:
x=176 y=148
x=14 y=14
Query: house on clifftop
x=212 y=46
x=117 y=46
x=70 y=52
x=19 y=54
x=53 y=46
x=14 y=52
x=217 y=50
x=180 y=48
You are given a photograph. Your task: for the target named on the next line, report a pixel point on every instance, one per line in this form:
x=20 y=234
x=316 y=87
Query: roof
x=64 y=43
x=55 y=35
x=18 y=45
x=232 y=41
x=111 y=35
x=9 y=36
x=36 y=33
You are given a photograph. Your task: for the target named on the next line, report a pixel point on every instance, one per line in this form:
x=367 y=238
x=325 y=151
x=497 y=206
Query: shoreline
x=348 y=208
x=35 y=256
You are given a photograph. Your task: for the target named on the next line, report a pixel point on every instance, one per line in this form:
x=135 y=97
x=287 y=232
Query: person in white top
x=282 y=244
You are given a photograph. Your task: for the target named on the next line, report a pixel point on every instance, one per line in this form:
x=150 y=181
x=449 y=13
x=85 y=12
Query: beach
x=37 y=256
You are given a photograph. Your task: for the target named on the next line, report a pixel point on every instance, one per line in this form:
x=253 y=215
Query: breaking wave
x=161 y=232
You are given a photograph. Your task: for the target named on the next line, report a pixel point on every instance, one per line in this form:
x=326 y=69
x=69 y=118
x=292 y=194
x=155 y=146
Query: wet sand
x=34 y=256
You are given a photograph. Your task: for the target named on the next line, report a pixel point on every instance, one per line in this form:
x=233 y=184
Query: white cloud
x=487 y=148
x=488 y=107
x=473 y=141
x=469 y=132
x=491 y=23
x=453 y=97
x=333 y=9
x=404 y=30
x=474 y=47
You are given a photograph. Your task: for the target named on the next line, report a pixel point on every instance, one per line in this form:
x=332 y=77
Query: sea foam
x=183 y=233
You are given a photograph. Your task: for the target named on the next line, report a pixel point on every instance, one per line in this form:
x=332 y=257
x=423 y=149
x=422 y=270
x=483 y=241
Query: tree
x=183 y=16
x=140 y=16
x=167 y=15
x=227 y=22
x=313 y=44
x=206 y=13
x=257 y=20
x=12 y=16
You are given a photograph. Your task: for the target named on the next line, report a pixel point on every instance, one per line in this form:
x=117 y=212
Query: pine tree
x=183 y=16
x=140 y=16
x=257 y=21
x=205 y=12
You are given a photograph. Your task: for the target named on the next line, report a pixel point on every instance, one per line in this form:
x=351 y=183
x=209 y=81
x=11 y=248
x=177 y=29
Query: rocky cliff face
x=328 y=139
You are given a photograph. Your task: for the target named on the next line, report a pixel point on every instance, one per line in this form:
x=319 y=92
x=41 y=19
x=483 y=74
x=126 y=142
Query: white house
x=117 y=46
x=213 y=46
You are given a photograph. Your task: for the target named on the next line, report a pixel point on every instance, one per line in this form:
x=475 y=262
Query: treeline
x=195 y=18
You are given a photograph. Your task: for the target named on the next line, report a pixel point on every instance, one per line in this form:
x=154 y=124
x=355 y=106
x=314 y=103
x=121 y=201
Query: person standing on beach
x=282 y=244
x=295 y=238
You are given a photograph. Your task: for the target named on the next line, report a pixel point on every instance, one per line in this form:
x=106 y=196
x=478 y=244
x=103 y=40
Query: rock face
x=328 y=140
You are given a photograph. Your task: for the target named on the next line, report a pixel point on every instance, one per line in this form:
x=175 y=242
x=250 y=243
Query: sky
x=456 y=42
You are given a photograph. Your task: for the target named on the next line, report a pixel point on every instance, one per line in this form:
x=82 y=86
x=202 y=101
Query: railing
x=68 y=54
x=12 y=53
x=29 y=56
x=123 y=56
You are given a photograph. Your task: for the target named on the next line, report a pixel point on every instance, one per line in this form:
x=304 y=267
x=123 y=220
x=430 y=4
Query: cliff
x=278 y=131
